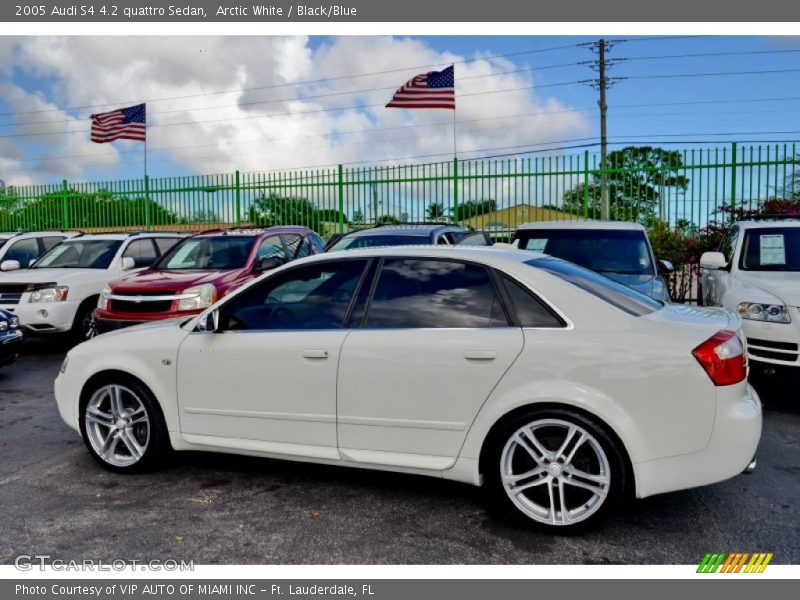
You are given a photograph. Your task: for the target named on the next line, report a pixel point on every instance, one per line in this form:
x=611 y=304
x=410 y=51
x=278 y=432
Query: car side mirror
x=128 y=263
x=208 y=322
x=665 y=266
x=713 y=260
x=268 y=263
x=10 y=265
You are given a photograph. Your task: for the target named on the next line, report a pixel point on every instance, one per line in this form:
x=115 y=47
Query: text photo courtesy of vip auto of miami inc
x=523 y=286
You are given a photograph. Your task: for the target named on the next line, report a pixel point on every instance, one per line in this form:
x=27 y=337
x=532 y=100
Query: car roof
x=483 y=254
x=403 y=229
x=29 y=234
x=778 y=222
x=591 y=225
x=254 y=231
x=126 y=235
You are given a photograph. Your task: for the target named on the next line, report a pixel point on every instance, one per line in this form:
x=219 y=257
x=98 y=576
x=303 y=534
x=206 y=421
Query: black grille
x=776 y=345
x=10 y=293
x=757 y=353
x=155 y=306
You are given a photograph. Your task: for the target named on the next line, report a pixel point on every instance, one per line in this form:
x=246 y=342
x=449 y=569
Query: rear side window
x=530 y=310
x=143 y=252
x=51 y=242
x=616 y=294
x=416 y=293
x=164 y=244
x=297 y=245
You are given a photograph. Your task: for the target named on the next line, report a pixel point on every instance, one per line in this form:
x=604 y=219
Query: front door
x=267 y=379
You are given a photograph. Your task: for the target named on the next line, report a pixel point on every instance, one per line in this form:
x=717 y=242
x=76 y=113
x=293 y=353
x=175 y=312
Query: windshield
x=603 y=251
x=80 y=254
x=771 y=249
x=371 y=241
x=616 y=294
x=222 y=252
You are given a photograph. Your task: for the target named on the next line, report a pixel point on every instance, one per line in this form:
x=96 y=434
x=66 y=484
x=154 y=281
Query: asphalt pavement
x=224 y=509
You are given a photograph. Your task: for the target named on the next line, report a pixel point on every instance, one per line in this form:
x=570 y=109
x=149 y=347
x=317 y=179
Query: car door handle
x=315 y=354
x=480 y=354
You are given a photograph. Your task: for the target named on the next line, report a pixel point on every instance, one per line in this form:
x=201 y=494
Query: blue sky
x=67 y=77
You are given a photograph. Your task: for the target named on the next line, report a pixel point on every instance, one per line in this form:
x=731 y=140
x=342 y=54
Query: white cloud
x=91 y=70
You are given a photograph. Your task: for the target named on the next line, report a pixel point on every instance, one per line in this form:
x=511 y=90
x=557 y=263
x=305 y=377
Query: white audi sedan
x=557 y=389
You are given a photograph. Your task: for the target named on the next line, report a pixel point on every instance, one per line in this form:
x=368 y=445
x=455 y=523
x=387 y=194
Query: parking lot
x=230 y=509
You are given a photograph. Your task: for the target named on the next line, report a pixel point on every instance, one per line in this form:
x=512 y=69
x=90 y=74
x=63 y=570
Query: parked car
x=19 y=250
x=407 y=234
x=10 y=338
x=556 y=388
x=617 y=250
x=198 y=272
x=59 y=292
x=756 y=273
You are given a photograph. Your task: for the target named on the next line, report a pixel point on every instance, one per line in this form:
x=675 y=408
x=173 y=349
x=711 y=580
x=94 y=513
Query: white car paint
x=84 y=285
x=9 y=240
x=425 y=400
x=730 y=286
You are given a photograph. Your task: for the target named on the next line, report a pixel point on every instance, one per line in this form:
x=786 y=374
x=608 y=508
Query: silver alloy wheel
x=117 y=425
x=87 y=326
x=555 y=472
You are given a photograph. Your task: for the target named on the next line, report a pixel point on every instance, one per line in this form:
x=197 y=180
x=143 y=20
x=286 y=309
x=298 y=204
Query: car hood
x=145 y=328
x=59 y=276
x=785 y=286
x=173 y=279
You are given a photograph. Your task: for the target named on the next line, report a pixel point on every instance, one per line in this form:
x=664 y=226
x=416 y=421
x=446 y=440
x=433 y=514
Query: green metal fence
x=492 y=194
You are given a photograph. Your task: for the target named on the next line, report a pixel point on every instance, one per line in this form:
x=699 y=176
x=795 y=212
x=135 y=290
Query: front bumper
x=776 y=344
x=45 y=317
x=733 y=444
x=10 y=344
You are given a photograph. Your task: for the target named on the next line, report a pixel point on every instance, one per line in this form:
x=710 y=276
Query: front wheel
x=556 y=469
x=122 y=425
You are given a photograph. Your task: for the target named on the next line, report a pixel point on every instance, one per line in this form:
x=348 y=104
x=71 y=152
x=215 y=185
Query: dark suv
x=408 y=234
x=199 y=271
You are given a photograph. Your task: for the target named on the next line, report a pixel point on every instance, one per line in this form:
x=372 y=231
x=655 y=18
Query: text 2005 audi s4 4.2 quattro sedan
x=557 y=389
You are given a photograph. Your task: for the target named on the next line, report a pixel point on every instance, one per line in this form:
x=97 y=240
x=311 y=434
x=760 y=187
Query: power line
x=307 y=82
x=709 y=54
x=715 y=74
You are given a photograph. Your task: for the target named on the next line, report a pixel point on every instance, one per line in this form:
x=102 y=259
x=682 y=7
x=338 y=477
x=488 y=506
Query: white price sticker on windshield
x=536 y=244
x=773 y=250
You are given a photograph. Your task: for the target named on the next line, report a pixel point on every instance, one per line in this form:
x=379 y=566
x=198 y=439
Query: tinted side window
x=297 y=245
x=24 y=251
x=314 y=296
x=143 y=252
x=434 y=293
x=51 y=242
x=164 y=244
x=530 y=310
x=271 y=246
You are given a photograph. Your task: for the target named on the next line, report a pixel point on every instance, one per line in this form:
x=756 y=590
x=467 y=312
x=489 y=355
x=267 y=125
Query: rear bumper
x=10 y=344
x=730 y=451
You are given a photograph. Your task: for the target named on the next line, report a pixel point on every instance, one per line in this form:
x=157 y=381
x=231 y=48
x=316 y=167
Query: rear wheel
x=555 y=469
x=122 y=425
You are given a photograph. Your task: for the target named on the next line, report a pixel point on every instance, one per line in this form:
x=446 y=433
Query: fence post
x=147 y=202
x=586 y=184
x=341 y=198
x=733 y=182
x=455 y=189
x=64 y=206
x=238 y=200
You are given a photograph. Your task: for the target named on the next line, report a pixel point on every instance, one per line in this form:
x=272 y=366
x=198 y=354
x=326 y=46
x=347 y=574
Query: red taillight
x=723 y=357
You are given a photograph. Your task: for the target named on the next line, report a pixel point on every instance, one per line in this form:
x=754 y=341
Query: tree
x=284 y=210
x=331 y=215
x=435 y=211
x=639 y=177
x=387 y=220
x=476 y=208
x=205 y=216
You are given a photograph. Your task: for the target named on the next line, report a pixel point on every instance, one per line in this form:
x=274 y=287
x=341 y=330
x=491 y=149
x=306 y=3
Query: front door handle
x=480 y=354
x=315 y=354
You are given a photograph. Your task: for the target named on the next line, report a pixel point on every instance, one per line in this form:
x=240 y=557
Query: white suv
x=60 y=291
x=19 y=249
x=756 y=273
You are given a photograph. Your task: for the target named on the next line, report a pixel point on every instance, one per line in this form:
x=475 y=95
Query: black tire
x=157 y=446
x=495 y=462
x=83 y=317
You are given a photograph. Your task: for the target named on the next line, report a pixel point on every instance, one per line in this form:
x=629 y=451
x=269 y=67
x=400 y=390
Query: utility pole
x=601 y=84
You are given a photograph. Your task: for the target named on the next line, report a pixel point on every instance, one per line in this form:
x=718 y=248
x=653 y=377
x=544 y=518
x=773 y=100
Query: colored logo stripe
x=735 y=562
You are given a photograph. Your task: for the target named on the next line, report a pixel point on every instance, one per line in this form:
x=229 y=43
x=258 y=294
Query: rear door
x=414 y=372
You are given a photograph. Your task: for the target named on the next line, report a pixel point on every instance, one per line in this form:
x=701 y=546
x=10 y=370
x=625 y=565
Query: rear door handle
x=315 y=354
x=480 y=354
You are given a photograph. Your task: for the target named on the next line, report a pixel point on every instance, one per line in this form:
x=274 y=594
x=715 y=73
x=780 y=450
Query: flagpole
x=455 y=154
x=146 y=179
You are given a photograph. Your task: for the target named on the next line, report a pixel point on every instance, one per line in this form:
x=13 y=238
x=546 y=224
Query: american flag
x=121 y=124
x=431 y=90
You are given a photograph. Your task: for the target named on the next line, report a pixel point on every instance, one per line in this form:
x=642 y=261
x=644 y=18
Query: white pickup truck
x=756 y=274
x=60 y=291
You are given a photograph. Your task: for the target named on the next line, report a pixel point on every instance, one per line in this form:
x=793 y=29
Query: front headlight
x=13 y=323
x=4 y=326
x=51 y=294
x=202 y=296
x=772 y=313
x=102 y=301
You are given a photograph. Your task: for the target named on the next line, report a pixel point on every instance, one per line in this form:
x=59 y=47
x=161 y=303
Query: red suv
x=198 y=271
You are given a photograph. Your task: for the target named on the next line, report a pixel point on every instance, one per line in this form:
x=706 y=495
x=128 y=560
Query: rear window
x=616 y=294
